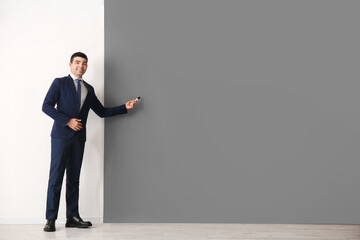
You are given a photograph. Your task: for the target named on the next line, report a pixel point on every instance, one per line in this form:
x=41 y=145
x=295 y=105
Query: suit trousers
x=65 y=154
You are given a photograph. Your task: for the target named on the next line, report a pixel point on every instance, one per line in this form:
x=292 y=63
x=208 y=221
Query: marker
x=137 y=99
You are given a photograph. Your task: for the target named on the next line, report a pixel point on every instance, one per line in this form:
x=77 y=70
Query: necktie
x=79 y=91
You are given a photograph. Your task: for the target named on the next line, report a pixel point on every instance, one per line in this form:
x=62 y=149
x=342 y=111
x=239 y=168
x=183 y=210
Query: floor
x=184 y=231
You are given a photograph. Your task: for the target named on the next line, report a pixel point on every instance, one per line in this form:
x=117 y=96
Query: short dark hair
x=78 y=54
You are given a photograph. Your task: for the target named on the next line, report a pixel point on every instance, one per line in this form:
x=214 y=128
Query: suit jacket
x=62 y=93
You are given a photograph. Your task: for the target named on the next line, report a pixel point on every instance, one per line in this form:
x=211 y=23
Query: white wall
x=37 y=39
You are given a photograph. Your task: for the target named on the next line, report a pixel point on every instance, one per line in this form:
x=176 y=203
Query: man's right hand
x=75 y=124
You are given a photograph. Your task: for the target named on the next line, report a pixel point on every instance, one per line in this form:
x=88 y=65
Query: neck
x=77 y=76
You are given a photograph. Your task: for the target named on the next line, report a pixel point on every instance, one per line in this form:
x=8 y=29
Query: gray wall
x=250 y=111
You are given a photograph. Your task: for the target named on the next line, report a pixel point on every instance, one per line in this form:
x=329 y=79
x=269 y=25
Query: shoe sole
x=75 y=226
x=49 y=230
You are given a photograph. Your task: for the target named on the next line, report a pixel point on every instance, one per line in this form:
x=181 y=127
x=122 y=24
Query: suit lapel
x=73 y=90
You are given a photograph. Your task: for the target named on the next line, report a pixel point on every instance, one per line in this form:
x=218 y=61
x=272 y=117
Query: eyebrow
x=78 y=61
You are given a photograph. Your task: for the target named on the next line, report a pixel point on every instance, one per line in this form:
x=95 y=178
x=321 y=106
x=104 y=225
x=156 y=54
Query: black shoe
x=77 y=222
x=88 y=223
x=50 y=226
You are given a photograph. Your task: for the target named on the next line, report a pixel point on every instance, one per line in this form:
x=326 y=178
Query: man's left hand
x=130 y=104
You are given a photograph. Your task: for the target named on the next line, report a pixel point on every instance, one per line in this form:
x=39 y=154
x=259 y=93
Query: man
x=73 y=98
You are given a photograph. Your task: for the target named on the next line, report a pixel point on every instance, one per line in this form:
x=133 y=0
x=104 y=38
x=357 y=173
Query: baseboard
x=42 y=220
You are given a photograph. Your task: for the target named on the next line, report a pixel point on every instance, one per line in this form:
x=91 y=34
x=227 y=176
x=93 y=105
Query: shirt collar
x=74 y=78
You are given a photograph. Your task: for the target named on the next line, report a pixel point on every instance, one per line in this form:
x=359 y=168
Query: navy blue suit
x=67 y=145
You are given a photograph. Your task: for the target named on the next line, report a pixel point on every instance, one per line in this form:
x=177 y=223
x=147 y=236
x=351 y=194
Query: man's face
x=78 y=66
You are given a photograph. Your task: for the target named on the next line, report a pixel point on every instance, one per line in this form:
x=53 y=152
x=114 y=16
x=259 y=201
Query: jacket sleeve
x=102 y=111
x=51 y=99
